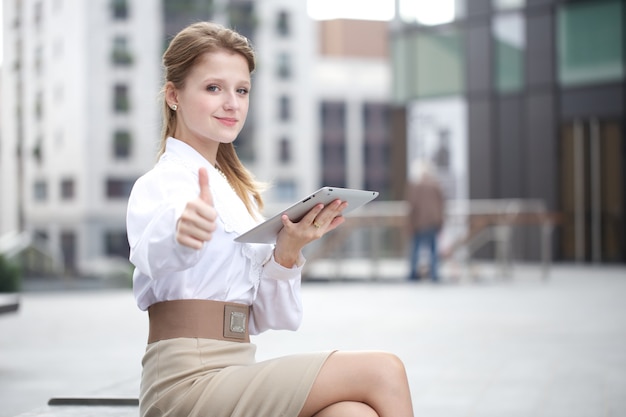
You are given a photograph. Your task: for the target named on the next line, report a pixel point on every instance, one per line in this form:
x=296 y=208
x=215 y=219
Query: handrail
x=478 y=221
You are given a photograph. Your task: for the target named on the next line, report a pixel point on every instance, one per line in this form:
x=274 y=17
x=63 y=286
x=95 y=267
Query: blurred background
x=519 y=105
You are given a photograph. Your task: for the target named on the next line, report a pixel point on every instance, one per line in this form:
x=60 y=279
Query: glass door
x=592 y=191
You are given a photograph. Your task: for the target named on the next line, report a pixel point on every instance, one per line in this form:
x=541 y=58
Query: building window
x=39 y=106
x=118 y=188
x=438 y=60
x=38 y=150
x=284 y=65
x=377 y=147
x=38 y=14
x=68 y=248
x=121 y=54
x=119 y=9
x=122 y=144
x=121 y=102
x=591 y=42
x=40 y=190
x=333 y=150
x=38 y=59
x=284 y=151
x=67 y=189
x=283 y=25
x=116 y=243
x=284 y=108
x=509 y=37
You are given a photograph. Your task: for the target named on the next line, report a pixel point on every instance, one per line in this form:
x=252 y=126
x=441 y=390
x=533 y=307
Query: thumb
x=205 y=191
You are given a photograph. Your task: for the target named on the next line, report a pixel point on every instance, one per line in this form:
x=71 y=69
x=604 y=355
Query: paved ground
x=517 y=347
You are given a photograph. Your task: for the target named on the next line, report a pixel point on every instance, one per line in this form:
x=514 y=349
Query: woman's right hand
x=197 y=222
x=315 y=224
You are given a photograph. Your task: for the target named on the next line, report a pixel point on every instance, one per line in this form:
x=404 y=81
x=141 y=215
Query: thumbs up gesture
x=197 y=222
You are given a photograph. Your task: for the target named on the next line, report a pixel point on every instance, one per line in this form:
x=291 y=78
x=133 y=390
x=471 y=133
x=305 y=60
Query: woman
x=205 y=294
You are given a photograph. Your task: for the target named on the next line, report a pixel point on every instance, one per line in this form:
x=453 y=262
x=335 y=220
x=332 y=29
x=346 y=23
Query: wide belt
x=206 y=319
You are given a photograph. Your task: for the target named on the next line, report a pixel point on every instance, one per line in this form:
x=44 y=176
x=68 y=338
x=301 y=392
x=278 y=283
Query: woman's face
x=213 y=104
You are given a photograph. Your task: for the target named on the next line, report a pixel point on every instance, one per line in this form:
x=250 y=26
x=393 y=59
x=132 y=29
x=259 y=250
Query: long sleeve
x=151 y=224
x=278 y=303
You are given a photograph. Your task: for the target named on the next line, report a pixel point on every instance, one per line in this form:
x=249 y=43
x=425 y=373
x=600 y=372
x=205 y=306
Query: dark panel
x=398 y=152
x=598 y=101
x=479 y=58
x=481 y=152
x=540 y=62
x=476 y=7
x=510 y=183
x=541 y=148
x=530 y=3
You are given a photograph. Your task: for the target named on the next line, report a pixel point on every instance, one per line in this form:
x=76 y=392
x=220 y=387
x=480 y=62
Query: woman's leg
x=376 y=379
x=347 y=409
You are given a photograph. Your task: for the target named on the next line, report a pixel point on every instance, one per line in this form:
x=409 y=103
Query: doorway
x=592 y=191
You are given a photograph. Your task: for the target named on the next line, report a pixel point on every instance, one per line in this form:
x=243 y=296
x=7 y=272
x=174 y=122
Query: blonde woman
x=204 y=293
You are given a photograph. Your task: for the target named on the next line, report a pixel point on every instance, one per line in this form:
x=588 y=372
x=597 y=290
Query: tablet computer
x=266 y=231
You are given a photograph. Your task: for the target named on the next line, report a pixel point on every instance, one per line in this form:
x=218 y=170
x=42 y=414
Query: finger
x=205 y=191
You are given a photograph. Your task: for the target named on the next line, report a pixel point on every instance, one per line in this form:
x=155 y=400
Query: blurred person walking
x=426 y=201
x=205 y=293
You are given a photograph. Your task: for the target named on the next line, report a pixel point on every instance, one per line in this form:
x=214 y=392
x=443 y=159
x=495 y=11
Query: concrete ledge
x=9 y=303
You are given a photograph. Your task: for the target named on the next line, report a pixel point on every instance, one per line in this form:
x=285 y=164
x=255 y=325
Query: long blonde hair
x=178 y=60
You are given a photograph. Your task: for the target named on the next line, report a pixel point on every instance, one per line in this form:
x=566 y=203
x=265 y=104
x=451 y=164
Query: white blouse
x=222 y=270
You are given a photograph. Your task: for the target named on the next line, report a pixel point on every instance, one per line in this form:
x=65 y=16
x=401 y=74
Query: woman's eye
x=242 y=91
x=212 y=88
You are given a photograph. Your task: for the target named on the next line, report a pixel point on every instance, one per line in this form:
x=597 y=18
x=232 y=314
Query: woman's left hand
x=315 y=224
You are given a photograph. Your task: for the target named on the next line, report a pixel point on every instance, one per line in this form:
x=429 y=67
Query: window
x=121 y=54
x=509 y=37
x=284 y=108
x=333 y=149
x=284 y=151
x=591 y=42
x=121 y=102
x=68 y=248
x=118 y=188
x=438 y=60
x=283 y=24
x=67 y=189
x=38 y=59
x=121 y=144
x=40 y=190
x=284 y=65
x=119 y=9
x=116 y=243
x=39 y=106
x=38 y=14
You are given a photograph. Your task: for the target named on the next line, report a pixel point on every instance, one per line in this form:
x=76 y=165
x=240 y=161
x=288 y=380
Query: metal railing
x=483 y=229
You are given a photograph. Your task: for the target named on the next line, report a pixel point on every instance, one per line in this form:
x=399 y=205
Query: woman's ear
x=171 y=94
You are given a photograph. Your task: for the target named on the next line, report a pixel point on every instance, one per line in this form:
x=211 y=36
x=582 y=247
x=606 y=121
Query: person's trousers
x=427 y=238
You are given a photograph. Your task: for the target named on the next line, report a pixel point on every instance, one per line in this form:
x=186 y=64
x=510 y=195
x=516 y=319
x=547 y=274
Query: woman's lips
x=228 y=121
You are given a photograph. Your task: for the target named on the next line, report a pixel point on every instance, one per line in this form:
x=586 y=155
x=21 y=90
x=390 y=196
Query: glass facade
x=590 y=42
x=509 y=40
x=438 y=62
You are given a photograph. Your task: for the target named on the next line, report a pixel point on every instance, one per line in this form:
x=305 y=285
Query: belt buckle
x=235 y=321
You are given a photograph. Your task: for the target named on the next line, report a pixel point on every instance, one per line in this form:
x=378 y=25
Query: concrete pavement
x=494 y=347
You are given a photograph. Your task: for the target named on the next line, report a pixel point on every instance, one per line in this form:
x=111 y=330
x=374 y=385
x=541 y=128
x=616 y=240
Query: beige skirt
x=206 y=377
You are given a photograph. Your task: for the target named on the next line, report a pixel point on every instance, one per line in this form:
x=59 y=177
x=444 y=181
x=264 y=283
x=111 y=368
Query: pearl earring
x=174 y=107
